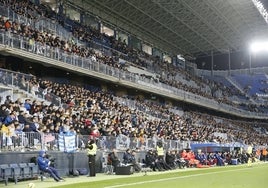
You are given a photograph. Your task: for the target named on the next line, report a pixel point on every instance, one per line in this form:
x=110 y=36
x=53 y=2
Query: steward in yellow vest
x=91 y=153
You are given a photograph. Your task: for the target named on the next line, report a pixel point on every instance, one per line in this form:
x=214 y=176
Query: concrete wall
x=63 y=161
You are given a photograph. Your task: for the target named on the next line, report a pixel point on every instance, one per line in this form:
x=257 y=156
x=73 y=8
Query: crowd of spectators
x=166 y=73
x=98 y=114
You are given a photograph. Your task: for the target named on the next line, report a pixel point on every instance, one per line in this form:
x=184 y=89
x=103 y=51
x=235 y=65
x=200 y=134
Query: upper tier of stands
x=46 y=34
x=256 y=84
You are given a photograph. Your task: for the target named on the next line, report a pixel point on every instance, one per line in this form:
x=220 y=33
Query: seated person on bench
x=113 y=159
x=44 y=165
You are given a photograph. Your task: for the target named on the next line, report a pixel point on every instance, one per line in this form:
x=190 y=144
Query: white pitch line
x=180 y=177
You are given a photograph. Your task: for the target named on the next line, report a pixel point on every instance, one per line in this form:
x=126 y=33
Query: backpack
x=82 y=171
x=74 y=172
x=33 y=160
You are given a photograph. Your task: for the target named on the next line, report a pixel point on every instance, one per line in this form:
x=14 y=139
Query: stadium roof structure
x=188 y=27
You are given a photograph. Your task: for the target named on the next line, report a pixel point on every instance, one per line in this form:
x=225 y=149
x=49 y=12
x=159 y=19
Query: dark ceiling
x=188 y=27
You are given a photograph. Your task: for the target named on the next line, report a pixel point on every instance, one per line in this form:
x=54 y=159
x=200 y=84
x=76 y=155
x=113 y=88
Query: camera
x=51 y=159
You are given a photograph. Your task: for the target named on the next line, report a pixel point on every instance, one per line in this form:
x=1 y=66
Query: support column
x=250 y=59
x=229 y=62
x=82 y=18
x=212 y=63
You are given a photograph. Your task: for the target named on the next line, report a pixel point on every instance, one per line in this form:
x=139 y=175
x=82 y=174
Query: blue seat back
x=16 y=171
x=34 y=169
x=5 y=170
x=25 y=170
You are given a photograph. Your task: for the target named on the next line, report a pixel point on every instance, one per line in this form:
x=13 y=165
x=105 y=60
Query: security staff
x=160 y=150
x=91 y=153
x=161 y=163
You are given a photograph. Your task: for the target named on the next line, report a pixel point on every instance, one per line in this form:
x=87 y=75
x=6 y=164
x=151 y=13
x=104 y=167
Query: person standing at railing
x=32 y=129
x=3 y=112
x=2 y=23
x=20 y=139
x=31 y=44
x=8 y=100
x=8 y=32
x=7 y=25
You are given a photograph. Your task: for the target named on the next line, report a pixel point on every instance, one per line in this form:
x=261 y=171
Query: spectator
x=27 y=104
x=171 y=159
x=7 y=25
x=127 y=157
x=10 y=118
x=113 y=159
x=8 y=100
x=3 y=112
x=150 y=159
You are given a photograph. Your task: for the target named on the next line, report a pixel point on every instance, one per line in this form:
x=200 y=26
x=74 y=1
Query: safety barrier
x=69 y=142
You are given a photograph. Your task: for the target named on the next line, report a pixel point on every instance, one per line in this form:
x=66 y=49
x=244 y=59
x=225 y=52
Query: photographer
x=91 y=153
x=44 y=165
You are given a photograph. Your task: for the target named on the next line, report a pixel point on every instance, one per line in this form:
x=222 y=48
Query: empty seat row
x=20 y=171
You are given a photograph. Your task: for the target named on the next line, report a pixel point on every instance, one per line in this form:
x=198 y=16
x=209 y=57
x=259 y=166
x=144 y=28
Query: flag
x=67 y=143
x=48 y=138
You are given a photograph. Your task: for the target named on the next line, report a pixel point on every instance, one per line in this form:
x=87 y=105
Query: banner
x=67 y=143
x=122 y=142
x=48 y=138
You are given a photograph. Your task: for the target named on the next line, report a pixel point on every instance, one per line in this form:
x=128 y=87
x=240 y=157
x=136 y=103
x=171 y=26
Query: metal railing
x=8 y=39
x=23 y=83
x=24 y=141
x=41 y=23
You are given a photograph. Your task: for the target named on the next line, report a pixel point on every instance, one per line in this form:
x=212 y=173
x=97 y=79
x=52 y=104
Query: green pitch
x=214 y=177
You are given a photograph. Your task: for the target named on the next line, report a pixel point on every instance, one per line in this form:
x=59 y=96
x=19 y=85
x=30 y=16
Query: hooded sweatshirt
x=42 y=162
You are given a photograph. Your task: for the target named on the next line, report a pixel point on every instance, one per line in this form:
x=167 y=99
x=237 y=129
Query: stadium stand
x=45 y=109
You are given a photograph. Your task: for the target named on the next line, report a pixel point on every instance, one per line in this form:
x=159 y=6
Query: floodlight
x=258 y=4
x=259 y=47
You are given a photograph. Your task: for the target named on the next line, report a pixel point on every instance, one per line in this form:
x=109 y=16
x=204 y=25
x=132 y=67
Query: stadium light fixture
x=256 y=47
x=258 y=4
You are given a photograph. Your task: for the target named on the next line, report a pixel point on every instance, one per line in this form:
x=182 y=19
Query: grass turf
x=238 y=176
x=218 y=177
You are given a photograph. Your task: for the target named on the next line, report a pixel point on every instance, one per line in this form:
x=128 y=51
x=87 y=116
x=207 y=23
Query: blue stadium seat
x=16 y=172
x=25 y=170
x=5 y=173
x=34 y=170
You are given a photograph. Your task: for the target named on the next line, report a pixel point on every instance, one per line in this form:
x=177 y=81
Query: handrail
x=54 y=141
x=14 y=41
x=24 y=82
